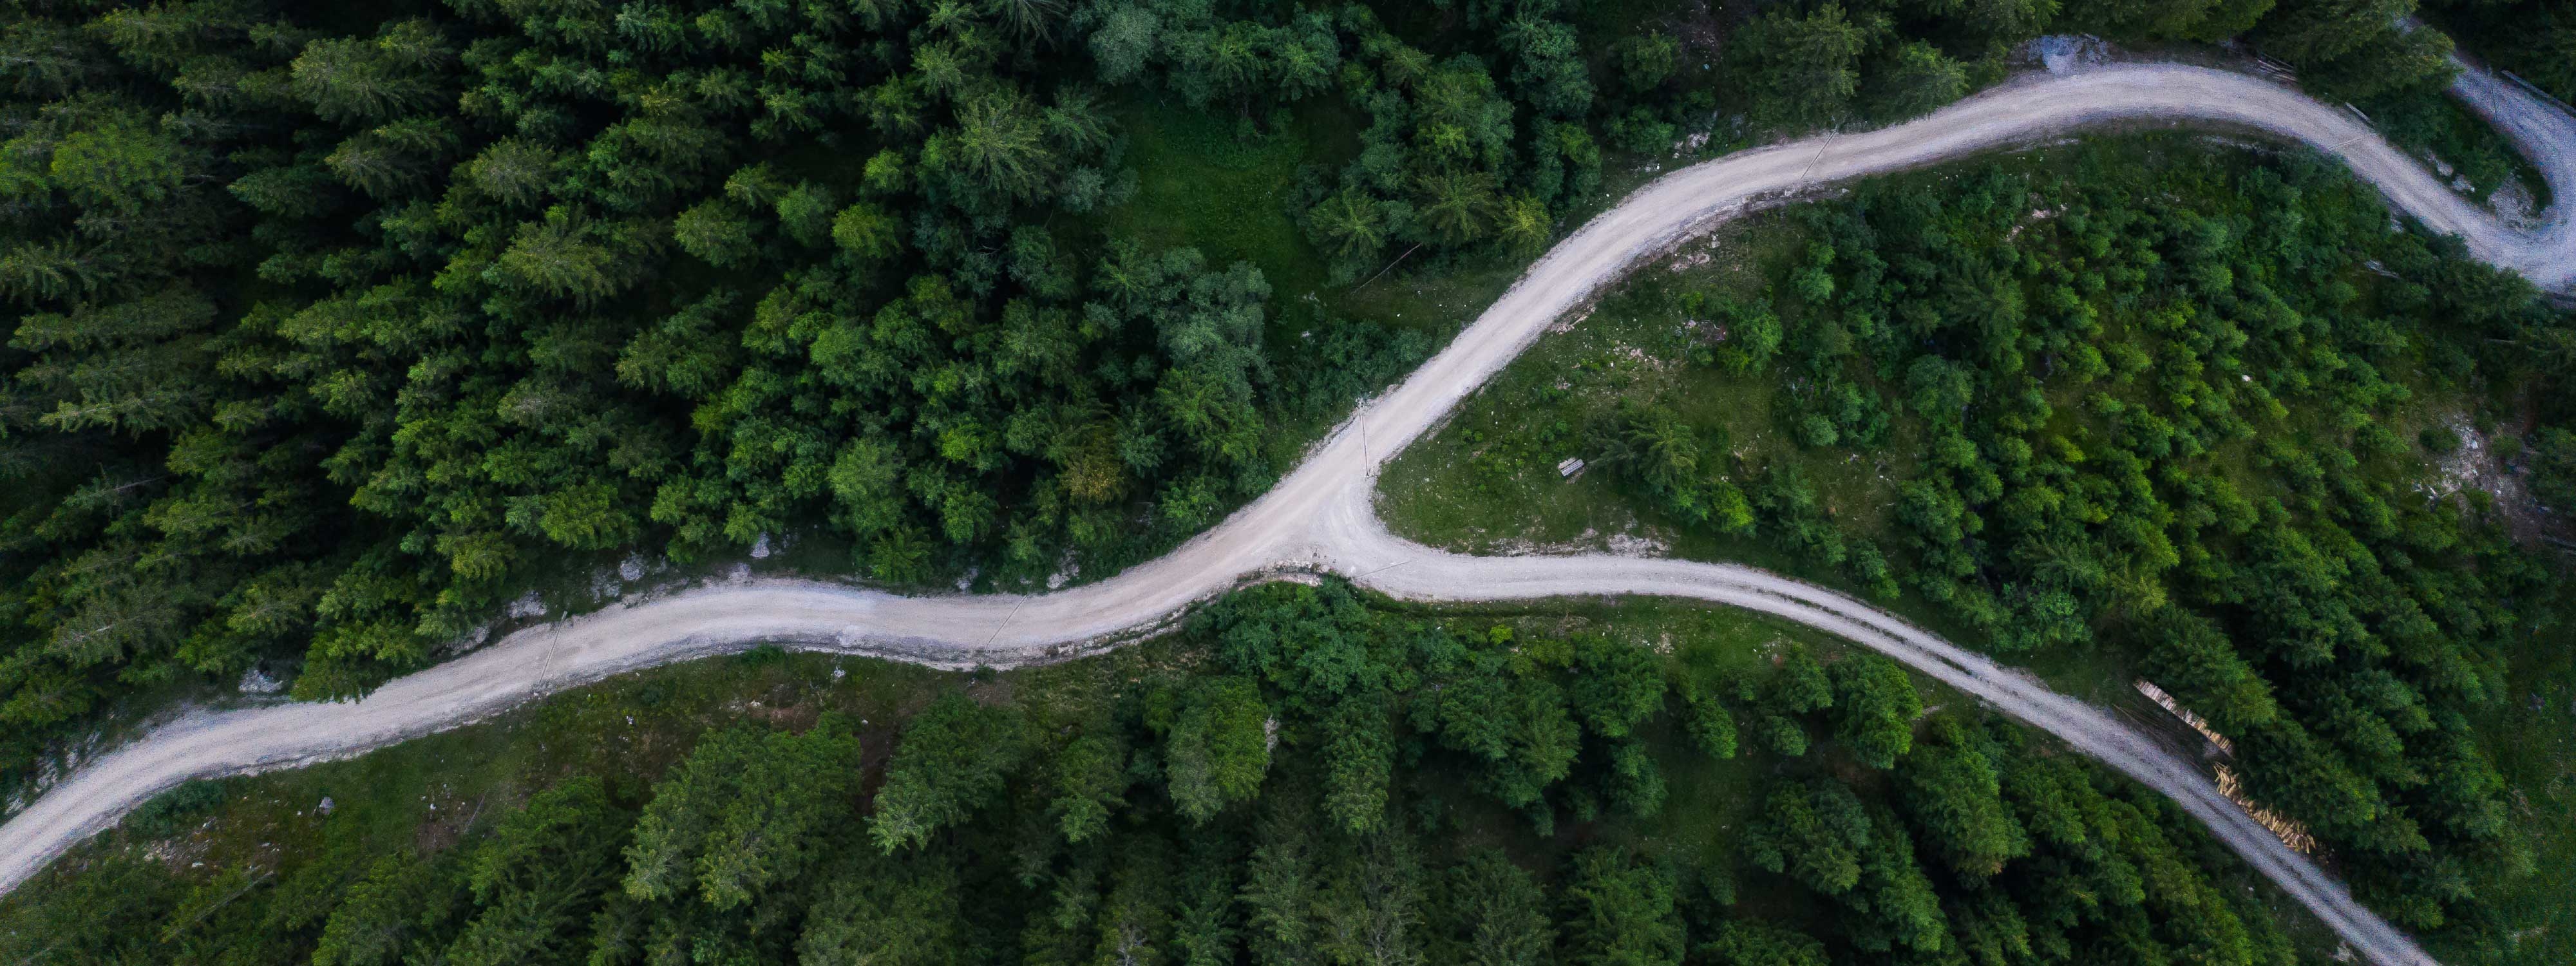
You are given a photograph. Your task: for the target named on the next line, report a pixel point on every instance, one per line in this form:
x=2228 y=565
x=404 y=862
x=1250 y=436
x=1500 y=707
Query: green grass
x=1212 y=183
x=1227 y=187
x=1488 y=481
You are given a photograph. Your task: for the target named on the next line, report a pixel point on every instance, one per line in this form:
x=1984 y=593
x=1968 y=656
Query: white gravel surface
x=1321 y=518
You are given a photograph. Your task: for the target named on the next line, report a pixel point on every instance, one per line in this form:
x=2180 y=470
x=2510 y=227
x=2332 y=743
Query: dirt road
x=1321 y=518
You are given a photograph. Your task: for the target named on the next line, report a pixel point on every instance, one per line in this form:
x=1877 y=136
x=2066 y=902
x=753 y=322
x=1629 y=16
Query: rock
x=256 y=681
x=2064 y=53
x=326 y=806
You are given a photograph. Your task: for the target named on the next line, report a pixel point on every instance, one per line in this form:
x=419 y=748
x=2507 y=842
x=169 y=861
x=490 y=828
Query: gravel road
x=1321 y=518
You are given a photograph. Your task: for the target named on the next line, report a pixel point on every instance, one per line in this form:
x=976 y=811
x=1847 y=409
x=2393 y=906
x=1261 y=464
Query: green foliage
x=353 y=336
x=741 y=815
x=1491 y=913
x=1620 y=912
x=1815 y=833
x=885 y=912
x=1282 y=877
x=1954 y=798
x=1616 y=687
x=1443 y=151
x=955 y=758
x=403 y=902
x=2532 y=38
x=541 y=874
x=1917 y=78
x=2192 y=659
x=2176 y=434
x=1828 y=841
x=1218 y=749
x=1744 y=944
x=1648 y=60
x=1803 y=69
x=327 y=342
x=2162 y=423
x=1091 y=775
x=1874 y=708
x=2553 y=468
x=1359 y=756
x=173 y=811
x=1668 y=458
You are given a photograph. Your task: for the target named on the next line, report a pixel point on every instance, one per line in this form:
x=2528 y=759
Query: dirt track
x=1320 y=517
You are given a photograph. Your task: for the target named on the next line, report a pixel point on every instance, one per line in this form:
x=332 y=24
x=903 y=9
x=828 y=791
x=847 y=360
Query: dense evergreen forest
x=336 y=324
x=1307 y=778
x=2535 y=39
x=2207 y=417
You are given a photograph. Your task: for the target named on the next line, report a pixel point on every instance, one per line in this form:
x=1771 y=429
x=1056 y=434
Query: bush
x=174 y=811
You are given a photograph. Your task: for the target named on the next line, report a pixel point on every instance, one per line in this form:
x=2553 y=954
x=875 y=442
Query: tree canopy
x=766 y=842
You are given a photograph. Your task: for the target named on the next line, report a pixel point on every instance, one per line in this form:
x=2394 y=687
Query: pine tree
x=955 y=757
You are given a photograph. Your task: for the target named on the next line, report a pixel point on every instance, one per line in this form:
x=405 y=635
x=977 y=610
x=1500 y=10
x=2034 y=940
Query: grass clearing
x=1211 y=183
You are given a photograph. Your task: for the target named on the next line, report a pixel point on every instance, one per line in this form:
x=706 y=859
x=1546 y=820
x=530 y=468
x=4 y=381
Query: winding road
x=1321 y=517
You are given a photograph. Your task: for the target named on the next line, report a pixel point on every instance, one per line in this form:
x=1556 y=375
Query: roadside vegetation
x=2534 y=39
x=340 y=326
x=2139 y=406
x=1302 y=775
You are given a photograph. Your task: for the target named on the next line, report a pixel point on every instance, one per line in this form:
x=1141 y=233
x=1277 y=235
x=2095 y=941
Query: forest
x=2197 y=413
x=1307 y=776
x=2535 y=39
x=336 y=325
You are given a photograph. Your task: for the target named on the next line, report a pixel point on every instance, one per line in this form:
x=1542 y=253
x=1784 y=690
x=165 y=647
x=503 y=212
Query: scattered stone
x=326 y=806
x=2066 y=53
x=1632 y=545
x=257 y=681
x=2512 y=201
